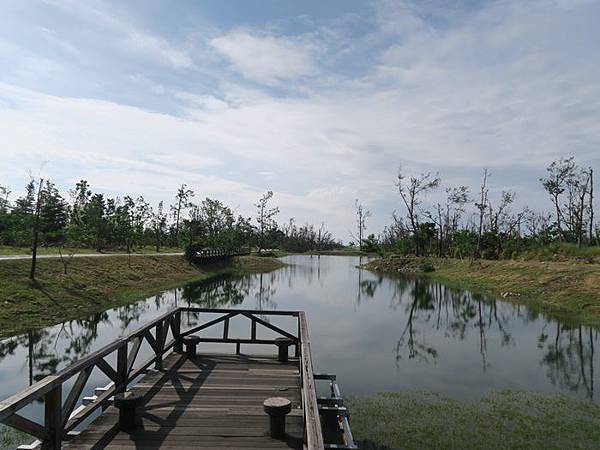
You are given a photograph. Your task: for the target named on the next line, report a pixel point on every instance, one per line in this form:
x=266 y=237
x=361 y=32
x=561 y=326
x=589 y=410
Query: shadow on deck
x=205 y=402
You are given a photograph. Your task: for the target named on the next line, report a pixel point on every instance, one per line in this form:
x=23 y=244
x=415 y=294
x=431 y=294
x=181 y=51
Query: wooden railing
x=221 y=252
x=312 y=422
x=62 y=416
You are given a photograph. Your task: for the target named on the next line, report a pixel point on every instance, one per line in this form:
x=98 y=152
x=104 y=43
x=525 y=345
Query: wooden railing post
x=160 y=341
x=297 y=349
x=53 y=427
x=121 y=385
x=226 y=329
x=176 y=330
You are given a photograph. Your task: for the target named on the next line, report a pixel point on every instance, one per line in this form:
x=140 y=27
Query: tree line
x=480 y=225
x=87 y=219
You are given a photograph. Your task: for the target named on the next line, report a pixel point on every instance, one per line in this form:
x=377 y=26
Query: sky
x=320 y=102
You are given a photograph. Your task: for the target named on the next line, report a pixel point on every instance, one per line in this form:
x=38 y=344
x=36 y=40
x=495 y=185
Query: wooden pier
x=190 y=397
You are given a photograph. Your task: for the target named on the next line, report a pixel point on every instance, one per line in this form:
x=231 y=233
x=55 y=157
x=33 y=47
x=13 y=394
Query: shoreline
x=570 y=289
x=93 y=285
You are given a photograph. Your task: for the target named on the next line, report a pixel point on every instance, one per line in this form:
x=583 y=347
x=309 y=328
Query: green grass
x=11 y=438
x=568 y=288
x=503 y=420
x=565 y=251
x=257 y=264
x=93 y=285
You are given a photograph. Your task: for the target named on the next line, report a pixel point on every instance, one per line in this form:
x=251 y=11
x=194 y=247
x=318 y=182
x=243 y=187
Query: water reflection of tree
x=231 y=292
x=422 y=301
x=366 y=287
x=50 y=349
x=442 y=308
x=81 y=336
x=569 y=357
x=265 y=291
x=222 y=292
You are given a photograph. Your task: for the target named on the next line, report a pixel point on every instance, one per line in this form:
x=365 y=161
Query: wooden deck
x=210 y=401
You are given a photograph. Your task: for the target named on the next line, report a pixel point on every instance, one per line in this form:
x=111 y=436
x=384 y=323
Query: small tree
x=66 y=259
x=370 y=244
x=182 y=201
x=53 y=215
x=5 y=219
x=4 y=204
x=362 y=214
x=265 y=217
x=159 y=225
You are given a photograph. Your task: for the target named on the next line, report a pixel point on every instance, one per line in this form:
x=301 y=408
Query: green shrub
x=426 y=266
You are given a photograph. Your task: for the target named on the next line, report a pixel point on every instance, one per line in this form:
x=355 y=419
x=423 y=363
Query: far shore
x=569 y=288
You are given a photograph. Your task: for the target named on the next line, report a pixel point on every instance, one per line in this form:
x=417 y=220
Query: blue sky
x=318 y=101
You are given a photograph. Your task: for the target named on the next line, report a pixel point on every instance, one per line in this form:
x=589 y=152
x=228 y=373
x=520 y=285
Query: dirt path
x=85 y=255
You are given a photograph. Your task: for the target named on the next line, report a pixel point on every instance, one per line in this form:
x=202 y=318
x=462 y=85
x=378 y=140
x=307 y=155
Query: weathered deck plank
x=211 y=401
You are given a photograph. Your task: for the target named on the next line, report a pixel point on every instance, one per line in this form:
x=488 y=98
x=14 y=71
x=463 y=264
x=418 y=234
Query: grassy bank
x=504 y=420
x=94 y=285
x=560 y=286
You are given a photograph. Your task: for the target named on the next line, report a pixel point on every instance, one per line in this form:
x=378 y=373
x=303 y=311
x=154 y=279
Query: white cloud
x=131 y=38
x=508 y=86
x=156 y=47
x=266 y=59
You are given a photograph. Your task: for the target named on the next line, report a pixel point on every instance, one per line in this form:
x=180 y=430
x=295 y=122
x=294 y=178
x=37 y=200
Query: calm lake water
x=376 y=333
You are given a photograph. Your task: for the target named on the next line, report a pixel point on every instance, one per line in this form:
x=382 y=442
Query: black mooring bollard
x=191 y=342
x=129 y=417
x=277 y=408
x=283 y=344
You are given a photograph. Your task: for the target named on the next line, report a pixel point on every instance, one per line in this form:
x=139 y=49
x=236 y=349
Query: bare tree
x=482 y=207
x=581 y=187
x=265 y=217
x=323 y=236
x=559 y=174
x=411 y=191
x=591 y=206
x=362 y=214
x=447 y=217
x=36 y=228
x=66 y=259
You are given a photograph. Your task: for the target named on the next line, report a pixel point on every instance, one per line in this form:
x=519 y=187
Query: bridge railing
x=221 y=252
x=62 y=416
